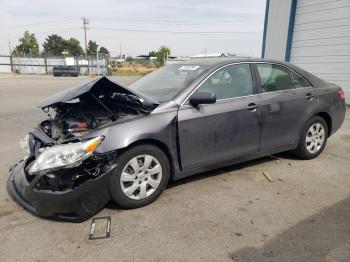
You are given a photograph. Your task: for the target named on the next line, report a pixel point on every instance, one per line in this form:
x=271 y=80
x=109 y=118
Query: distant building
x=145 y=58
x=209 y=55
x=177 y=59
x=313 y=34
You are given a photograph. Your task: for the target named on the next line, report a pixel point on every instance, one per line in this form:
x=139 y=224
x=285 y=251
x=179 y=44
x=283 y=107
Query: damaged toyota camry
x=103 y=141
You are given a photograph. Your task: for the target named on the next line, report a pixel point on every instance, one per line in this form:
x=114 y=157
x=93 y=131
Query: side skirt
x=228 y=162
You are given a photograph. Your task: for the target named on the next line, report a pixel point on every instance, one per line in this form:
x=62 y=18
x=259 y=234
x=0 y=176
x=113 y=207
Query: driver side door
x=213 y=133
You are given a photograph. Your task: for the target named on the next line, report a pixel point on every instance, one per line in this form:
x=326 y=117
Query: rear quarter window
x=276 y=78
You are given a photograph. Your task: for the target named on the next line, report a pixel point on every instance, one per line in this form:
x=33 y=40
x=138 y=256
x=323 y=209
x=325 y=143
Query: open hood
x=98 y=85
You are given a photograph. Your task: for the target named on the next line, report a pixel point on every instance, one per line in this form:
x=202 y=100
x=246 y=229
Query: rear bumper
x=74 y=205
x=338 y=116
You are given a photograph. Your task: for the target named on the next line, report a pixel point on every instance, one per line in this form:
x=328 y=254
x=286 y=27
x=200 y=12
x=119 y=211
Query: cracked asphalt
x=230 y=214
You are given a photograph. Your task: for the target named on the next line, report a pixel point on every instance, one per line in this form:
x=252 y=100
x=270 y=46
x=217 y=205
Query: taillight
x=341 y=94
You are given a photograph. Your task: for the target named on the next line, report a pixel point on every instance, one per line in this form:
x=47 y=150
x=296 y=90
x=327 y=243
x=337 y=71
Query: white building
x=313 y=34
x=208 y=55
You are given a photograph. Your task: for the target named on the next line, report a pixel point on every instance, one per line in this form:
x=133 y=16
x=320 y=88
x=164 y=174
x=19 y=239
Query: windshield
x=164 y=83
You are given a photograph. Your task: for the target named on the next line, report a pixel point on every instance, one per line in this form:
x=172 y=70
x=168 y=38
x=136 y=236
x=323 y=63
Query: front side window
x=229 y=82
x=277 y=78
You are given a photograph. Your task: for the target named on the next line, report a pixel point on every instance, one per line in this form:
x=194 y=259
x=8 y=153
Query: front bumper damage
x=73 y=205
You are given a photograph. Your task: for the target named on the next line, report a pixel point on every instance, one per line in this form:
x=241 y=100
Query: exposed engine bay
x=77 y=119
x=76 y=112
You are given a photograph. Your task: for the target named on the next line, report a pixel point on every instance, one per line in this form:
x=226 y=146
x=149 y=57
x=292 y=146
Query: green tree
x=153 y=53
x=162 y=55
x=54 y=45
x=28 y=45
x=92 y=47
x=73 y=47
x=129 y=59
x=103 y=50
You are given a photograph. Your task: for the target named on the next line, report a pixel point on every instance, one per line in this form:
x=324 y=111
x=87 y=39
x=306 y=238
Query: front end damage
x=59 y=195
x=62 y=177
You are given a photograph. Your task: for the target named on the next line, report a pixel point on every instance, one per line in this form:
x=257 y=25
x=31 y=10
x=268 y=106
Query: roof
x=222 y=60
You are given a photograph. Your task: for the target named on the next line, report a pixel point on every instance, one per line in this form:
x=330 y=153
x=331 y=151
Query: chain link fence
x=45 y=64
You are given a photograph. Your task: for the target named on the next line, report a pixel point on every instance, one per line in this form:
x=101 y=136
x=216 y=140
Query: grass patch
x=129 y=73
x=133 y=69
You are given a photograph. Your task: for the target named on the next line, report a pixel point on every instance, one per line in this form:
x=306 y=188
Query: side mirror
x=198 y=98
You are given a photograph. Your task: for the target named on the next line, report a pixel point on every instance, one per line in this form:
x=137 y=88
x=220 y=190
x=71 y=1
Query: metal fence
x=44 y=64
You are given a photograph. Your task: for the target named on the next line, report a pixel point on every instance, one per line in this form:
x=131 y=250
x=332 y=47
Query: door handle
x=252 y=107
x=309 y=96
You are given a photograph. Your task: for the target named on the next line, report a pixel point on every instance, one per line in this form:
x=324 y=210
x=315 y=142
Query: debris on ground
x=290 y=164
x=107 y=234
x=268 y=176
x=277 y=160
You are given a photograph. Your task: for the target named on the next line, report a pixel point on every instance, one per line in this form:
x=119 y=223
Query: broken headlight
x=64 y=156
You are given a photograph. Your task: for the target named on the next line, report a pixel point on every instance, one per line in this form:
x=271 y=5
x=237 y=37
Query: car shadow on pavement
x=233 y=168
x=324 y=236
x=217 y=172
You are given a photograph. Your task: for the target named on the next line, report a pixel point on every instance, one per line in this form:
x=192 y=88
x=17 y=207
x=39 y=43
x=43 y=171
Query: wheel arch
x=328 y=120
x=158 y=144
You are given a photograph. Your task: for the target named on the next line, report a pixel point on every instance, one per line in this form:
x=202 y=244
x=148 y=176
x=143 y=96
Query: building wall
x=313 y=34
x=276 y=32
x=321 y=40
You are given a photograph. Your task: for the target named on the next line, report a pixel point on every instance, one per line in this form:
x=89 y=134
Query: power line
x=176 y=32
x=45 y=32
x=65 y=21
x=157 y=21
x=179 y=22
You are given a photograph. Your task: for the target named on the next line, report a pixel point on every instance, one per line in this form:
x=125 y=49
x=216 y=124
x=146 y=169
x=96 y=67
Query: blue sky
x=186 y=26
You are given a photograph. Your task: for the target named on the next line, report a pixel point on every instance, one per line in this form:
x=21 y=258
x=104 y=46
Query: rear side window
x=298 y=81
x=229 y=82
x=277 y=78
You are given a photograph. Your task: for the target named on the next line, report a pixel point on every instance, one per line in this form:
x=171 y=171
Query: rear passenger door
x=286 y=100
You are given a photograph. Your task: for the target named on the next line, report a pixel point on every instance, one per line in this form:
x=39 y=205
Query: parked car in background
x=110 y=142
x=65 y=71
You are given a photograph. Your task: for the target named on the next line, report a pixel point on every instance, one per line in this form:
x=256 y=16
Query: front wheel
x=313 y=138
x=140 y=177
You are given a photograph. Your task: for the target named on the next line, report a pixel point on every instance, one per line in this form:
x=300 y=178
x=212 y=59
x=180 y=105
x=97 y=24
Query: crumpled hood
x=99 y=84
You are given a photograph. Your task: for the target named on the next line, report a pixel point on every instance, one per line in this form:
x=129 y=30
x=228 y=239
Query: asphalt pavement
x=230 y=214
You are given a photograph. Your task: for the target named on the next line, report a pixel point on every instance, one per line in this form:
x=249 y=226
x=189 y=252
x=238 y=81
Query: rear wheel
x=140 y=177
x=313 y=138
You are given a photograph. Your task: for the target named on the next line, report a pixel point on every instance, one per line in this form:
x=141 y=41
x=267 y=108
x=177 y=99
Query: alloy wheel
x=315 y=137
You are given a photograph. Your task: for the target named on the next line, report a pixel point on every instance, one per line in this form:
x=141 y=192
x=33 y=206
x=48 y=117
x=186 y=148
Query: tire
x=312 y=144
x=126 y=189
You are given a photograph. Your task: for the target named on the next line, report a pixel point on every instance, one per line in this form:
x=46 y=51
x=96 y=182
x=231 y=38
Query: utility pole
x=10 y=47
x=120 y=50
x=11 y=62
x=85 y=27
x=97 y=69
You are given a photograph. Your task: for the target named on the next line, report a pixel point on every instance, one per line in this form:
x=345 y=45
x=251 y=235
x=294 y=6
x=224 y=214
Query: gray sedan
x=108 y=142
